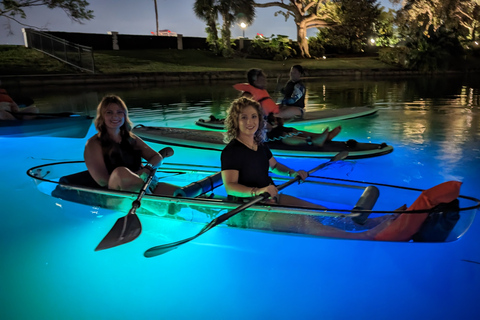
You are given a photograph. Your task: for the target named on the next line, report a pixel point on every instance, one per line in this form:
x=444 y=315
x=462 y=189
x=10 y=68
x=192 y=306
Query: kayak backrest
x=366 y=202
x=197 y=188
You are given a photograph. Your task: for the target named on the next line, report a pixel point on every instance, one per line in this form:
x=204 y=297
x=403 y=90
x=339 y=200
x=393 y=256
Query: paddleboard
x=213 y=140
x=310 y=117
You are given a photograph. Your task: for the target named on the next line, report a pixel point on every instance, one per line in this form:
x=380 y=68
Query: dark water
x=50 y=271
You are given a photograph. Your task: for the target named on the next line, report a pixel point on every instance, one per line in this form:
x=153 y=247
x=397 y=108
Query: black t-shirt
x=252 y=166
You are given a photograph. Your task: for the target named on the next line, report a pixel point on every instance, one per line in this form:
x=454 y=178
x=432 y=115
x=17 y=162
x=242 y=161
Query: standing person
x=245 y=164
x=294 y=90
x=255 y=89
x=114 y=155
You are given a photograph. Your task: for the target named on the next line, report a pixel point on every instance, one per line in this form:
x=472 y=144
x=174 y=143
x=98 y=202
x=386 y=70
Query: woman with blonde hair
x=114 y=155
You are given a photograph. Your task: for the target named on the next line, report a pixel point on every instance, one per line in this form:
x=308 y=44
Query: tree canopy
x=75 y=9
x=231 y=11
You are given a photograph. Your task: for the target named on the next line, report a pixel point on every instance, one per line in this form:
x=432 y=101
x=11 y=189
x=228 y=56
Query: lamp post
x=243 y=25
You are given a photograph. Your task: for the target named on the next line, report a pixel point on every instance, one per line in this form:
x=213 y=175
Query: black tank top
x=121 y=154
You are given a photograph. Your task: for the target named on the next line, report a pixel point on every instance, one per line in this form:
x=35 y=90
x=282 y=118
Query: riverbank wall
x=172 y=77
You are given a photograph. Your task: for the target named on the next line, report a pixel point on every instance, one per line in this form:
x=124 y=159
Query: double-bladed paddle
x=128 y=227
x=161 y=249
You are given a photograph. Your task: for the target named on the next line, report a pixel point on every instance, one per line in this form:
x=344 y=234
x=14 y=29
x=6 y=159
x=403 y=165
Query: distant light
x=372 y=41
x=476 y=43
x=243 y=25
x=324 y=57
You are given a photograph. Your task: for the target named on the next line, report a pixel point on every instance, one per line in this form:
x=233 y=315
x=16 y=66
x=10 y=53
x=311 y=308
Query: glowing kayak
x=205 y=198
x=52 y=125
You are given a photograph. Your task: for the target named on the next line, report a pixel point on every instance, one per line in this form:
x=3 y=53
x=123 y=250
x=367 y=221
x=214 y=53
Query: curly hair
x=125 y=129
x=233 y=114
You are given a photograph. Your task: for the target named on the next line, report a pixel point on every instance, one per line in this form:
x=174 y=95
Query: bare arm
x=153 y=157
x=230 y=180
x=93 y=156
x=281 y=169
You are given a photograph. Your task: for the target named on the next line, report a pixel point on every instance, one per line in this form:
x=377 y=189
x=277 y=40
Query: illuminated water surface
x=50 y=271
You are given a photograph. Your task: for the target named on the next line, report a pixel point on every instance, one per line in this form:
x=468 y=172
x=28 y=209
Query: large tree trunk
x=227 y=49
x=302 y=39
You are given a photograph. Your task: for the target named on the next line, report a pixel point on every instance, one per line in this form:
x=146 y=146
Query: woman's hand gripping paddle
x=161 y=249
x=128 y=227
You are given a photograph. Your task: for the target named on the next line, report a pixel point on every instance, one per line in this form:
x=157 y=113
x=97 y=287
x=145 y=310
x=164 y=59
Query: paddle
x=128 y=227
x=161 y=249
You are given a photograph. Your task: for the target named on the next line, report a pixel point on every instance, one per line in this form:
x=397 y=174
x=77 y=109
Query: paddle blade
x=159 y=250
x=126 y=229
x=164 y=248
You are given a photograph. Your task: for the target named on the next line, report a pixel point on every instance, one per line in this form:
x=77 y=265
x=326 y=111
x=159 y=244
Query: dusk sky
x=138 y=17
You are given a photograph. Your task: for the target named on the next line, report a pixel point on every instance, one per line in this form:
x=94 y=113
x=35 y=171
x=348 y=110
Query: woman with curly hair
x=246 y=160
x=114 y=155
x=245 y=165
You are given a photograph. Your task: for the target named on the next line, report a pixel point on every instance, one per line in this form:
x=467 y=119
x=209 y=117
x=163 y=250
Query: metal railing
x=76 y=55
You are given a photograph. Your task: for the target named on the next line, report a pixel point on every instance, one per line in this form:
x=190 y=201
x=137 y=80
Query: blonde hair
x=125 y=129
x=233 y=114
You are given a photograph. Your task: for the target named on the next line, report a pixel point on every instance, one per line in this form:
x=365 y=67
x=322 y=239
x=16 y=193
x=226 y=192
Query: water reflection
x=414 y=111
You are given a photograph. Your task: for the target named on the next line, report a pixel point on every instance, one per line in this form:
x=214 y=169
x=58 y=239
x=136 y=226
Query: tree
x=354 y=24
x=306 y=14
x=207 y=10
x=156 y=18
x=434 y=29
x=461 y=16
x=231 y=11
x=75 y=9
x=385 y=28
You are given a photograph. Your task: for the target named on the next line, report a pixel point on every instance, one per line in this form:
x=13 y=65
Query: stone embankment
x=171 y=77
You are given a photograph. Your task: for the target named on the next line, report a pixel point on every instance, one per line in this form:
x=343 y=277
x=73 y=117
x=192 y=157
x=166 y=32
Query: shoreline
x=172 y=77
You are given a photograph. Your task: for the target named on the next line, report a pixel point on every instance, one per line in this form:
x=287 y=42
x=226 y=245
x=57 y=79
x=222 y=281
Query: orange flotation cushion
x=406 y=225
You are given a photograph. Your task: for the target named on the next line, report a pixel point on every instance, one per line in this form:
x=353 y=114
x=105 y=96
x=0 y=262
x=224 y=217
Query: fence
x=76 y=55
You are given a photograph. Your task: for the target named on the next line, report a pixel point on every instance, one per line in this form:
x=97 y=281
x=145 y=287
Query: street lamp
x=243 y=25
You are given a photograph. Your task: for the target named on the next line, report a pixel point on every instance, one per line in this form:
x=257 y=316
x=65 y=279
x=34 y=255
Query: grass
x=18 y=60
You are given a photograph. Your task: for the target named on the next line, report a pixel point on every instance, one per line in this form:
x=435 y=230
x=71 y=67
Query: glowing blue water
x=50 y=271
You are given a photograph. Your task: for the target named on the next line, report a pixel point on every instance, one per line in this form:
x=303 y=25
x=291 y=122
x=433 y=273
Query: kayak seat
x=366 y=202
x=83 y=179
x=200 y=187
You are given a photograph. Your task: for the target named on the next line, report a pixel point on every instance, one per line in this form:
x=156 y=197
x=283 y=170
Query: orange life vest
x=260 y=95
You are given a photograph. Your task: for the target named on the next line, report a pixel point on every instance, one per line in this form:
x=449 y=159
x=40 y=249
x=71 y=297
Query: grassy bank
x=18 y=60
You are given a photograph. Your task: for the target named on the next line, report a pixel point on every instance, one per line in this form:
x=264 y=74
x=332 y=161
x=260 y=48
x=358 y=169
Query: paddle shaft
x=158 y=250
